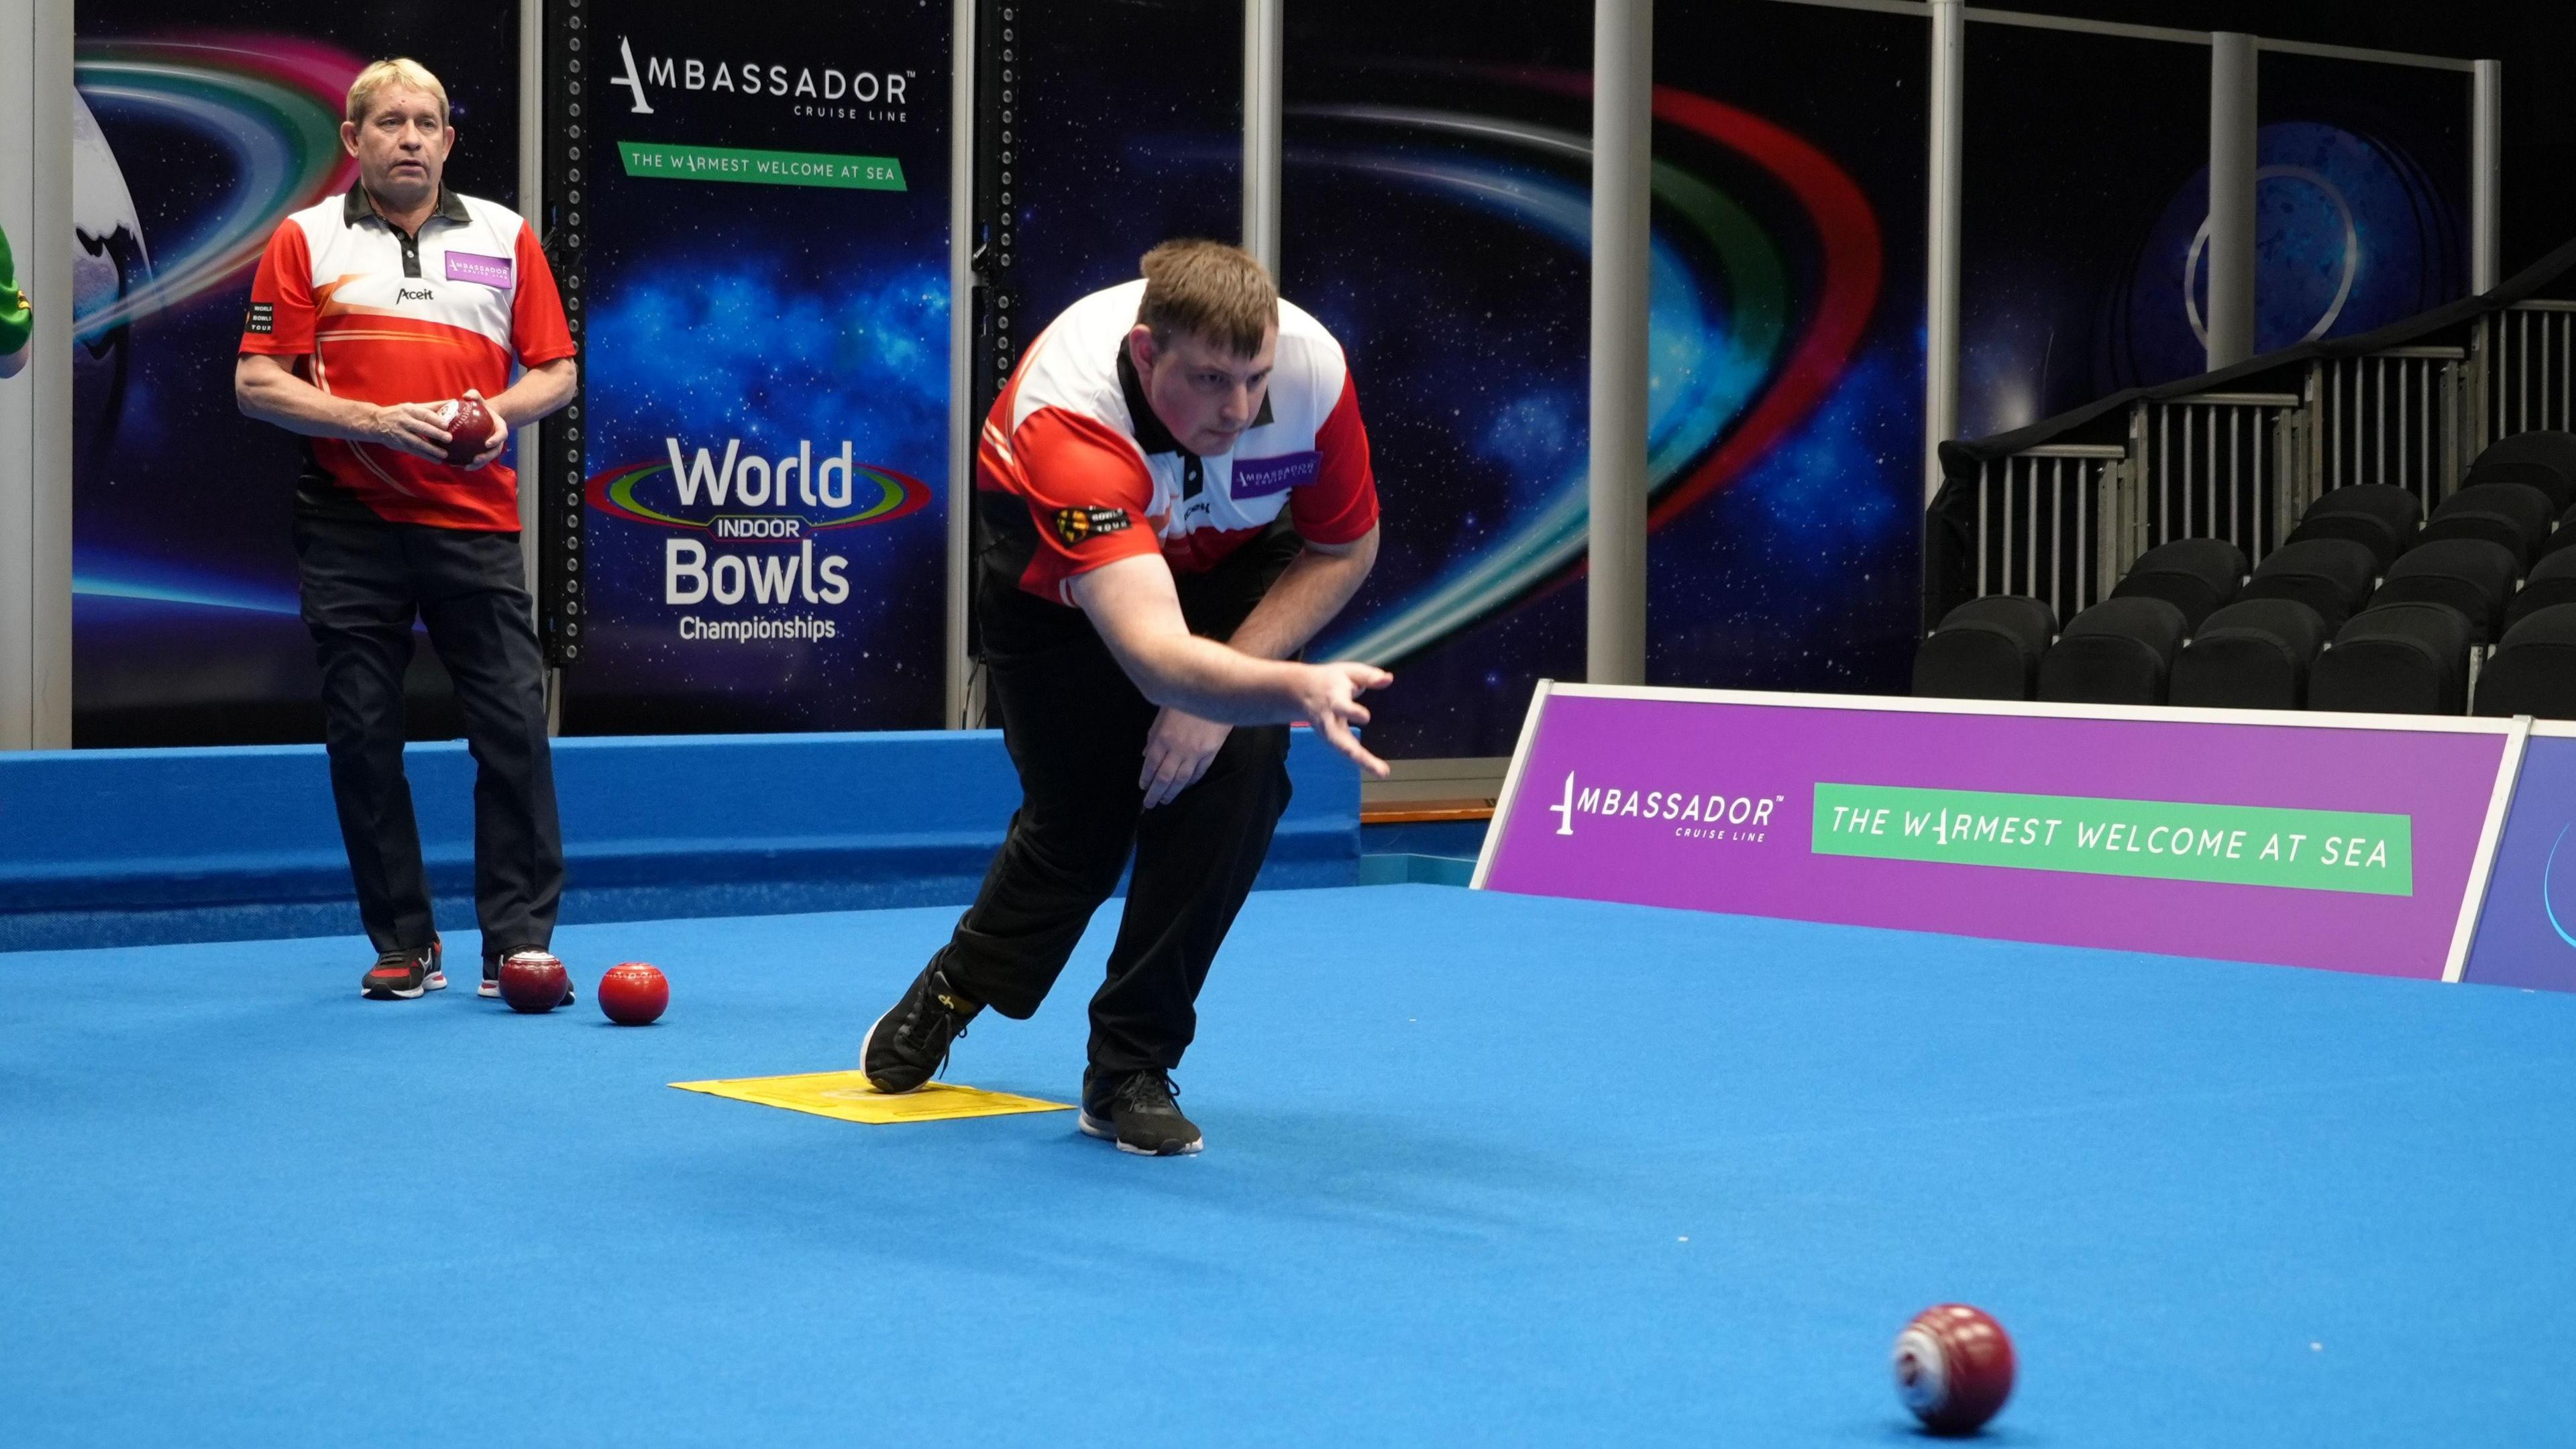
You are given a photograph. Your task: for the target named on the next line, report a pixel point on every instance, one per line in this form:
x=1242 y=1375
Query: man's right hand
x=412 y=427
x=1329 y=694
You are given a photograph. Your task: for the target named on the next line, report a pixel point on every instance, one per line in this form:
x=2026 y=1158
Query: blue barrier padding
x=130 y=847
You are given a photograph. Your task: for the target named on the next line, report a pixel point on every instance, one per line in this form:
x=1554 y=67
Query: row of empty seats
x=2366 y=606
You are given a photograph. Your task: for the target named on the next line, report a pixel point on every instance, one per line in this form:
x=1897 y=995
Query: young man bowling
x=1173 y=495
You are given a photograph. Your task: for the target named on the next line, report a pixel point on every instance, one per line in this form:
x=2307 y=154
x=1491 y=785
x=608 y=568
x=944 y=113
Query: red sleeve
x=1340 y=506
x=280 y=321
x=1087 y=493
x=538 y=333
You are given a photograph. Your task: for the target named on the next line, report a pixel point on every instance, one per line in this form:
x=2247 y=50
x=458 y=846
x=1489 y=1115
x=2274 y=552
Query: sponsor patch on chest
x=1077 y=526
x=1261 y=477
x=472 y=267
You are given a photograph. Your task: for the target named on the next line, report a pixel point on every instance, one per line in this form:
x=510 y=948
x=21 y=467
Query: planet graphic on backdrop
x=110 y=265
x=1737 y=361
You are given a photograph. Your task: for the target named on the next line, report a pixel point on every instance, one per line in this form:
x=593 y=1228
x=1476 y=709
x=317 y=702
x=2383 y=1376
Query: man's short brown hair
x=400 y=73
x=1210 y=290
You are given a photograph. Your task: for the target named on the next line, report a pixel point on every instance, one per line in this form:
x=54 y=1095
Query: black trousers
x=363 y=583
x=1076 y=728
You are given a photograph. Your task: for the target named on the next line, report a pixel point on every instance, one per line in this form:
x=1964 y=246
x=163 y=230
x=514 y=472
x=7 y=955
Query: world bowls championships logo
x=1695 y=815
x=775 y=507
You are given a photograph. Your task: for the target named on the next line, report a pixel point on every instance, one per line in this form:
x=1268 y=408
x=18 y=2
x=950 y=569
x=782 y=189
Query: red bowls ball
x=469 y=427
x=633 y=993
x=1954 y=1368
x=533 y=982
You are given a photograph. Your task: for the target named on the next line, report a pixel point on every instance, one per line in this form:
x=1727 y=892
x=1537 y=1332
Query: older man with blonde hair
x=372 y=316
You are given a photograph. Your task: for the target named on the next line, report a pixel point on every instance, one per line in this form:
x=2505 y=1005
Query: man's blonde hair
x=400 y=73
x=1210 y=290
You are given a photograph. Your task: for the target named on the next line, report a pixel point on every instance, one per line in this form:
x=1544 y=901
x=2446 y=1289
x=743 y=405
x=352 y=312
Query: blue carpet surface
x=1481 y=1170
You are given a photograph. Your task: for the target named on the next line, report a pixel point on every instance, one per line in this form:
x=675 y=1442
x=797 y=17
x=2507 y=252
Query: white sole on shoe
x=1093 y=1127
x=868 y=1040
x=435 y=981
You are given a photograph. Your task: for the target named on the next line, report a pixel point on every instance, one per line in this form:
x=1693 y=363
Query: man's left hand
x=501 y=430
x=1177 y=752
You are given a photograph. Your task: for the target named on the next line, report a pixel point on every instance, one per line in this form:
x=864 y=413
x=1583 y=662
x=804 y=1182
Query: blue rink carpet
x=1482 y=1170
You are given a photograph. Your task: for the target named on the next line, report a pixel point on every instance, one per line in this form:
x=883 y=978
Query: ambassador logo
x=816 y=91
x=1695 y=815
x=1078 y=526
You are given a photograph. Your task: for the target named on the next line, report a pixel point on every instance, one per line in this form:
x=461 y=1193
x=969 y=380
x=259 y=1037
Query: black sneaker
x=491 y=985
x=1137 y=1112
x=909 y=1044
x=402 y=975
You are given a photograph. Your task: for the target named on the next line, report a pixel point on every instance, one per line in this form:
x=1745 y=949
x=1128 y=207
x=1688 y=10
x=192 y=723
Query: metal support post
x=956 y=709
x=1262 y=129
x=1941 y=283
x=2232 y=123
x=2486 y=176
x=36 y=108
x=1623 y=121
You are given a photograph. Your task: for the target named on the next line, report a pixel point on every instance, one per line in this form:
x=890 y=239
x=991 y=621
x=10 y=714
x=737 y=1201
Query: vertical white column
x=532 y=205
x=962 y=422
x=1623 y=133
x=2486 y=175
x=1263 y=43
x=1941 y=238
x=2232 y=65
x=36 y=405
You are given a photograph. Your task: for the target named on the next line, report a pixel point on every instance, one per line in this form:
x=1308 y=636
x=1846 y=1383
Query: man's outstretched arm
x=1305 y=597
x=1137 y=610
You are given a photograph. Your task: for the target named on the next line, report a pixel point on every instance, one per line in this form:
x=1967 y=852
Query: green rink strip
x=2315 y=850
x=761 y=168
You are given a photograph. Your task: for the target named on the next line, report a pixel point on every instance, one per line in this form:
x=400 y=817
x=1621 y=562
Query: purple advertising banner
x=2527 y=928
x=2337 y=842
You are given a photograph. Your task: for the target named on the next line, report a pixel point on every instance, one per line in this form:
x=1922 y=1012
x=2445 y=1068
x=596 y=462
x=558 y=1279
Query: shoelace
x=1149 y=1091
x=403 y=959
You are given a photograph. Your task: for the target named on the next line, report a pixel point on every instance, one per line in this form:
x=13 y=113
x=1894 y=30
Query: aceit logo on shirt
x=1077 y=526
x=414 y=294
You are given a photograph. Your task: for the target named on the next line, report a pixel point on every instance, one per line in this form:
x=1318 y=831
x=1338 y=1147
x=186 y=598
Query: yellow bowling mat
x=848 y=1096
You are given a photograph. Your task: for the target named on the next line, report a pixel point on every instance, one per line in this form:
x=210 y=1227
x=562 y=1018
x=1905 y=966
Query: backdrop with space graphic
x=767 y=368
x=2084 y=211
x=201 y=126
x=1437 y=219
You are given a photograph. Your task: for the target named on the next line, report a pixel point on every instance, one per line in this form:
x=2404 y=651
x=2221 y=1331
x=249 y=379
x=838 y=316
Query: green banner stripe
x=2317 y=850
x=761 y=168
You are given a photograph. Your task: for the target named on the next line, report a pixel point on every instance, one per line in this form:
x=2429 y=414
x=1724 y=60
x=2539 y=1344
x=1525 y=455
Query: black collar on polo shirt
x=357 y=206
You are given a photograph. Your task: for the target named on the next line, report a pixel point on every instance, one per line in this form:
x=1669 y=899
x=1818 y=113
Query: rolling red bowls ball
x=1954 y=1368
x=633 y=993
x=533 y=981
x=469 y=427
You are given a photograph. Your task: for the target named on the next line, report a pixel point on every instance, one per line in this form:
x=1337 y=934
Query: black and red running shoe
x=403 y=975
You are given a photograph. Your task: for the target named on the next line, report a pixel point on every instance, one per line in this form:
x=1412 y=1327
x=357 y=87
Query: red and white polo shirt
x=372 y=314
x=1099 y=478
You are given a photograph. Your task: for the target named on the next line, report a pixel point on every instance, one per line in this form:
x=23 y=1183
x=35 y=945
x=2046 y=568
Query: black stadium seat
x=2396 y=659
x=2539 y=477
x=2534 y=670
x=2120 y=651
x=2379 y=516
x=2330 y=575
x=2565 y=536
x=2552 y=582
x=2506 y=513
x=1985 y=649
x=2253 y=654
x=2195 y=575
x=2469 y=574
x=2555 y=451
